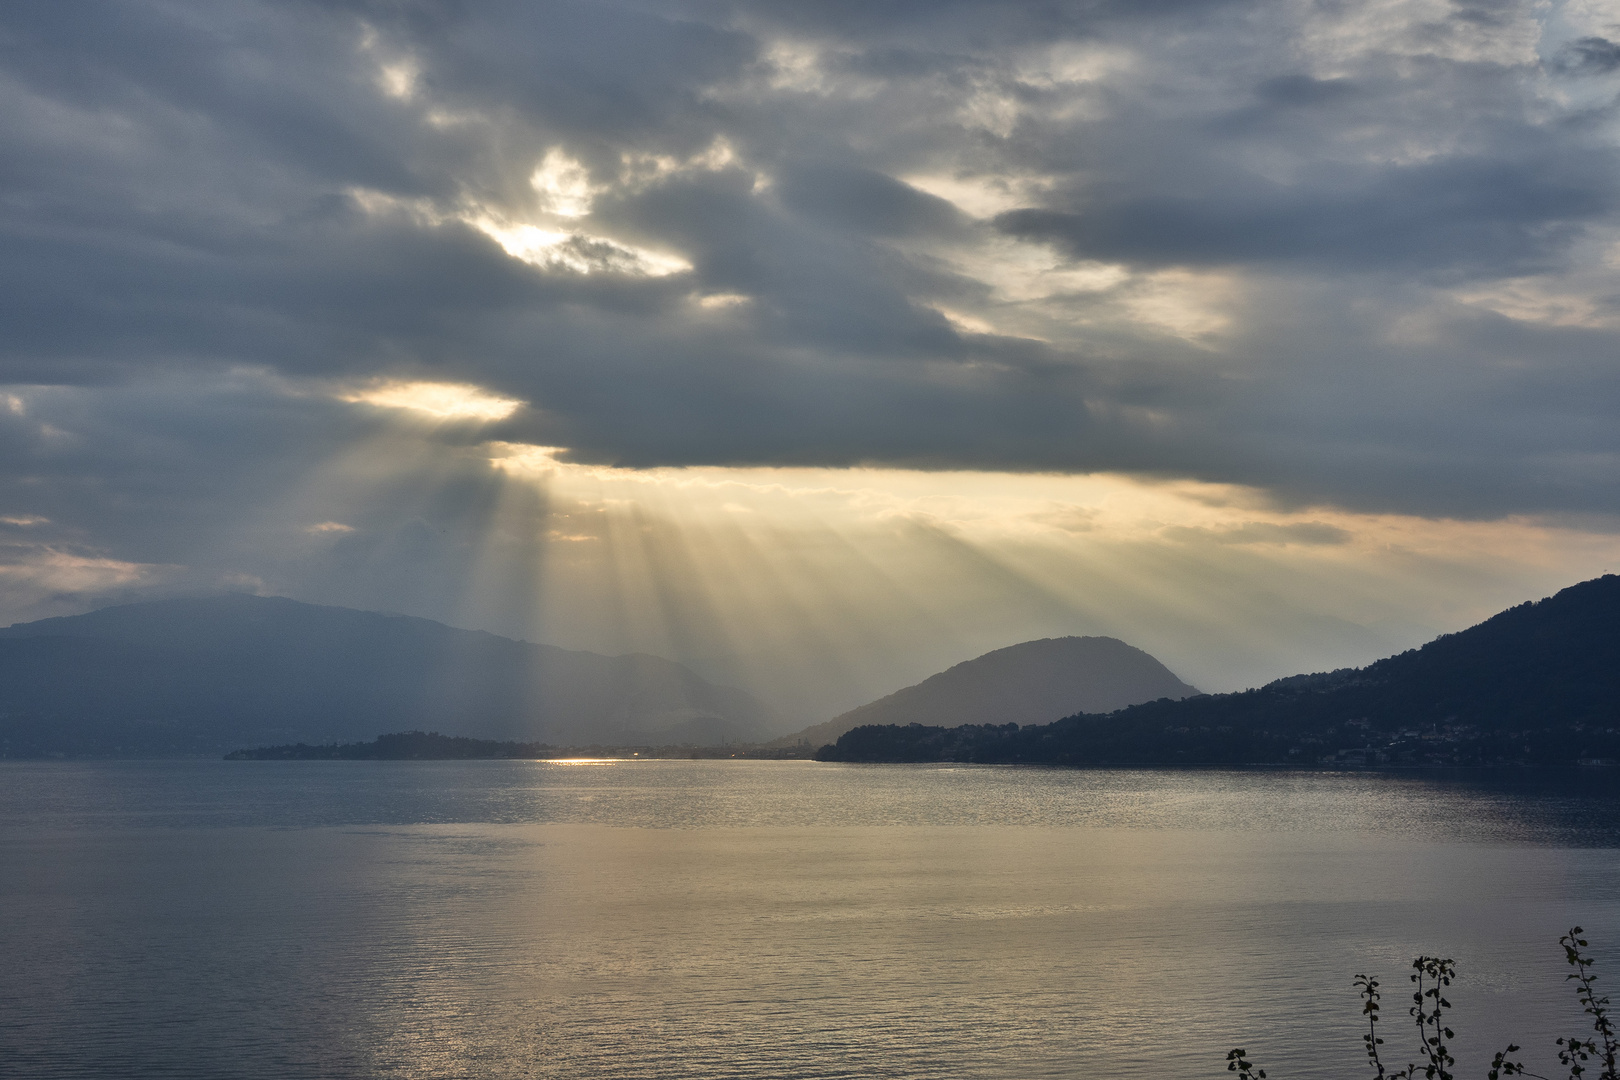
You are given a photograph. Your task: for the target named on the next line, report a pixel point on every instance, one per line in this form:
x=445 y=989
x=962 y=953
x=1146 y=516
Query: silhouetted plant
x=1368 y=989
x=1236 y=1062
x=1432 y=975
x=1428 y=1008
x=1596 y=1007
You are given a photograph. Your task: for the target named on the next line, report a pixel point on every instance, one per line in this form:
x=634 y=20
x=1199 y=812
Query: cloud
x=1343 y=258
x=444 y=401
x=1479 y=216
x=1590 y=56
x=1303 y=91
x=864 y=202
x=43 y=579
x=1260 y=532
x=968 y=235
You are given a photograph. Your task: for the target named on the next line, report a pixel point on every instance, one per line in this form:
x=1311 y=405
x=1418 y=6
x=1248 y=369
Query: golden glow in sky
x=823 y=588
x=444 y=401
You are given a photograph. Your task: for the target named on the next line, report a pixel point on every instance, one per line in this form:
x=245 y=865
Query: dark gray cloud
x=1302 y=91
x=1590 y=56
x=1479 y=217
x=1355 y=263
x=864 y=202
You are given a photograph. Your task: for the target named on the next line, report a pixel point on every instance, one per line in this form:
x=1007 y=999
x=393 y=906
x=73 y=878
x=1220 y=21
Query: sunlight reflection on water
x=757 y=919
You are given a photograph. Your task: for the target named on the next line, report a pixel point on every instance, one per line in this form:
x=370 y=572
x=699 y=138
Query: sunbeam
x=817 y=589
x=821 y=588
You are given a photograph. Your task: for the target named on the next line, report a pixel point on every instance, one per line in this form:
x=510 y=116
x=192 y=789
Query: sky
x=817 y=344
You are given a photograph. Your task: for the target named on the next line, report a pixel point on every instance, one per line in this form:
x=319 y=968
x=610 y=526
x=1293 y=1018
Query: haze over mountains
x=1035 y=682
x=200 y=676
x=210 y=675
x=1539 y=682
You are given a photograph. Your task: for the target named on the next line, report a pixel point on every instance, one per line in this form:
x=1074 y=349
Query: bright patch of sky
x=445 y=401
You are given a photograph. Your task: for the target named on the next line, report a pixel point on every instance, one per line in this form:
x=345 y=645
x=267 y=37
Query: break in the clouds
x=1346 y=258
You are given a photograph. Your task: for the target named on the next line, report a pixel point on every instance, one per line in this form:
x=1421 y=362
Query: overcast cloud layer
x=1353 y=255
x=1356 y=252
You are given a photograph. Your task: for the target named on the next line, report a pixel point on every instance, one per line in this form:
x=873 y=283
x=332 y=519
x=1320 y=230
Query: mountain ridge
x=1536 y=683
x=206 y=675
x=1041 y=679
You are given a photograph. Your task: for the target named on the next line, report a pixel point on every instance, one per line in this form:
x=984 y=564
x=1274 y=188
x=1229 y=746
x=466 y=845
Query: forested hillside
x=1538 y=683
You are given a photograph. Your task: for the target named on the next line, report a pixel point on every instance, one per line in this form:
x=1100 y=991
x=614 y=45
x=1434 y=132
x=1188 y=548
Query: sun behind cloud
x=445 y=401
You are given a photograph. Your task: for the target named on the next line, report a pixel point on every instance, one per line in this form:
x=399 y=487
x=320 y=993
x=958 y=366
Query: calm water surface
x=776 y=919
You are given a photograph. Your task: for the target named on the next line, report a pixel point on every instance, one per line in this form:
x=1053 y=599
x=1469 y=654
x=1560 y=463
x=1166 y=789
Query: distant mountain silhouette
x=1035 y=682
x=1536 y=684
x=212 y=675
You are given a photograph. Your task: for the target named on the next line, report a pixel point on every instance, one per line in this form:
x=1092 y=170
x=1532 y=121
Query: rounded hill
x=1035 y=682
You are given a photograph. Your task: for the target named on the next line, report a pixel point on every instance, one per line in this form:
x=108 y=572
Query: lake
x=717 y=919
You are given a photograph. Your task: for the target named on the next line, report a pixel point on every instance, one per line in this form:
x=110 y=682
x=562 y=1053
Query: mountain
x=209 y=675
x=1033 y=682
x=1536 y=684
